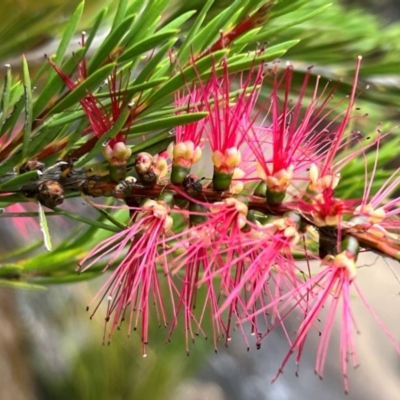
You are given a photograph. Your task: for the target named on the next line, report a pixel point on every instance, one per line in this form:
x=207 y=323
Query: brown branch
x=77 y=181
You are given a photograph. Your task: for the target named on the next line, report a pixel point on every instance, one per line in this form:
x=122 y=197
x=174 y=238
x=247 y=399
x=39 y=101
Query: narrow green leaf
x=65 y=278
x=45 y=136
x=61 y=119
x=69 y=33
x=184 y=50
x=15 y=183
x=88 y=85
x=120 y=14
x=135 y=88
x=20 y=285
x=287 y=6
x=145 y=45
x=150 y=66
x=118 y=125
x=146 y=21
x=28 y=108
x=76 y=136
x=211 y=31
x=20 y=251
x=44 y=69
x=10 y=270
x=135 y=6
x=55 y=84
x=252 y=59
x=44 y=228
x=17 y=91
x=177 y=22
x=5 y=98
x=109 y=44
x=88 y=221
x=267 y=34
x=11 y=121
x=94 y=29
x=187 y=75
x=10 y=163
x=7 y=200
x=110 y=217
x=52 y=261
x=167 y=122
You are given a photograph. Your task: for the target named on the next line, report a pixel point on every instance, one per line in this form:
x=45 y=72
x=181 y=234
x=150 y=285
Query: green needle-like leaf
x=15 y=183
x=21 y=285
x=146 y=45
x=178 y=22
x=44 y=228
x=187 y=75
x=88 y=221
x=69 y=33
x=28 y=108
x=267 y=34
x=56 y=84
x=88 y=85
x=167 y=122
x=109 y=44
x=120 y=14
x=5 y=98
x=185 y=49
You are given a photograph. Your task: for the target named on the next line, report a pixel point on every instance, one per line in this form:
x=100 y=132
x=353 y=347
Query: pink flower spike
x=339 y=134
x=135 y=283
x=230 y=118
x=321 y=298
x=190 y=100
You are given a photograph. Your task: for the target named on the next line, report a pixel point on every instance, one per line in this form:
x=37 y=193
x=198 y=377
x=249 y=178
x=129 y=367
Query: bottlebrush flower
x=191 y=261
x=329 y=290
x=102 y=118
x=136 y=280
x=297 y=141
x=268 y=266
x=186 y=150
x=229 y=119
x=232 y=258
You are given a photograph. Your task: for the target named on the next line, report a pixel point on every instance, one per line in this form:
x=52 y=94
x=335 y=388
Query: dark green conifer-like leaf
x=109 y=44
x=6 y=95
x=146 y=45
x=28 y=108
x=44 y=228
x=166 y=122
x=69 y=33
x=56 y=84
x=15 y=183
x=86 y=86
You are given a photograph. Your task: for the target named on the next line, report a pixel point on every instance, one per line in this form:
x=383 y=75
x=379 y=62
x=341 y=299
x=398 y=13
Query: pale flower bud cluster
x=323 y=215
x=319 y=183
x=342 y=260
x=227 y=161
x=160 y=210
x=239 y=207
x=237 y=185
x=278 y=181
x=118 y=154
x=287 y=227
x=375 y=216
x=184 y=154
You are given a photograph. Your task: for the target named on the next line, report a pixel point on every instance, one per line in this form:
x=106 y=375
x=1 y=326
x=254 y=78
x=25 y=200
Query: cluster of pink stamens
x=208 y=253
